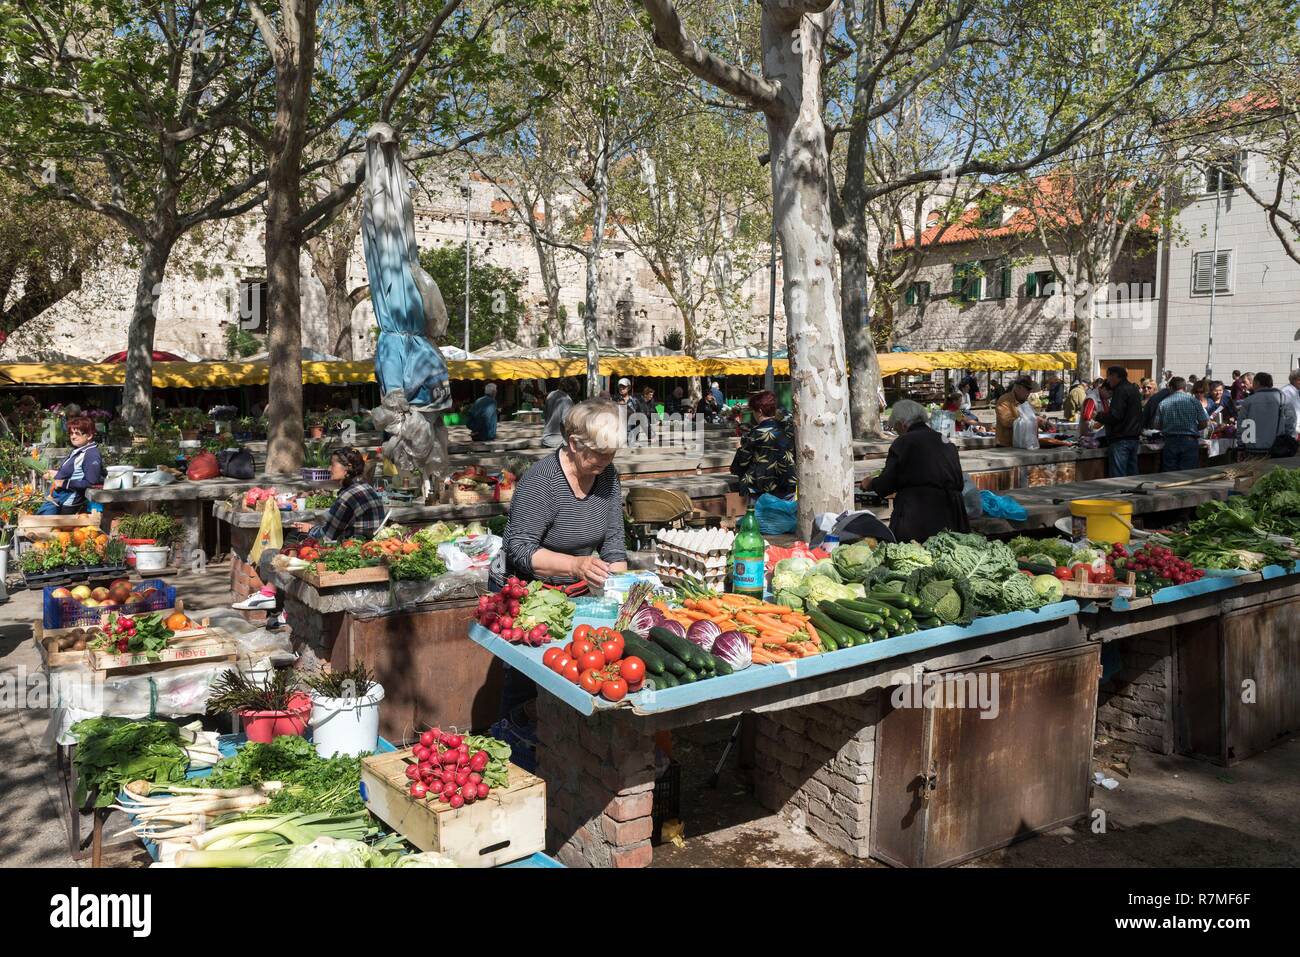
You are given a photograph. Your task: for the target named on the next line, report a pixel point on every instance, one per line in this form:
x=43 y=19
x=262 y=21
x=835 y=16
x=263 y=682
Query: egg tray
x=673 y=575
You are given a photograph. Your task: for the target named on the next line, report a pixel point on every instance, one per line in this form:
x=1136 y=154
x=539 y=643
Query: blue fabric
x=82 y=469
x=405 y=358
x=1181 y=452
x=483 y=419
x=1000 y=506
x=1122 y=458
x=48 y=508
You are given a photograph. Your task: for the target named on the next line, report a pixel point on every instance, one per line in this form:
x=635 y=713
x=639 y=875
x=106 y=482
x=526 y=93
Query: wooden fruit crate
x=58 y=523
x=1079 y=587
x=507 y=825
x=318 y=576
x=45 y=642
x=207 y=646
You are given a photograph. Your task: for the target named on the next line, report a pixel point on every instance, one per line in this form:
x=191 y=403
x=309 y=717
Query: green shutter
x=1006 y=282
x=910 y=296
x=1031 y=285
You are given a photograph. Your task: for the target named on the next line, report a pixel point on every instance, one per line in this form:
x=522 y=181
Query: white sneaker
x=257 y=602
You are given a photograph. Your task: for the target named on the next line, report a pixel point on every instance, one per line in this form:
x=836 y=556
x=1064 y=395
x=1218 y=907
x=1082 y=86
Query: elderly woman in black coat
x=923 y=474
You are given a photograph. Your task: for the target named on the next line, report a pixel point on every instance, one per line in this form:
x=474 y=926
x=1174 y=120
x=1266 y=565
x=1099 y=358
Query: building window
x=997 y=279
x=967 y=281
x=1040 y=285
x=917 y=294
x=991 y=217
x=1222 y=273
x=252 y=305
x=1220 y=175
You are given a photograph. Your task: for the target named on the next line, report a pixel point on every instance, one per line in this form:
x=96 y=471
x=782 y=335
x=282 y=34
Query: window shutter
x=1006 y=282
x=909 y=297
x=1031 y=285
x=1221 y=270
x=1201 y=277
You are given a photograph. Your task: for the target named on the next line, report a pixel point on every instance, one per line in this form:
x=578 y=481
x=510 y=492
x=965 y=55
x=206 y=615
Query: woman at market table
x=923 y=473
x=566 y=521
x=1012 y=405
x=356 y=513
x=79 y=471
x=765 y=459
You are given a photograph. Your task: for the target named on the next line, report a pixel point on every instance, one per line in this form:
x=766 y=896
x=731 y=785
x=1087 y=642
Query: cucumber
x=844 y=636
x=687 y=679
x=652 y=656
x=854 y=619
x=832 y=639
x=694 y=657
x=869 y=607
x=663 y=681
x=719 y=666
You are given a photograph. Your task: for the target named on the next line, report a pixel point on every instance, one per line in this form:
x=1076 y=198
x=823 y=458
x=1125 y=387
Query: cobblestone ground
x=1169 y=811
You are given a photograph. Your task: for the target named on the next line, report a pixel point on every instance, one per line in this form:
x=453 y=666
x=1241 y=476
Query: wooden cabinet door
x=951 y=785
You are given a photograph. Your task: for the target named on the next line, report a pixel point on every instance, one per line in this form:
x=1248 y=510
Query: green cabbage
x=789 y=598
x=327 y=852
x=789 y=574
x=821 y=588
x=970 y=556
x=1050 y=587
x=943 y=599
x=855 y=561
x=1019 y=593
x=905 y=556
x=826 y=567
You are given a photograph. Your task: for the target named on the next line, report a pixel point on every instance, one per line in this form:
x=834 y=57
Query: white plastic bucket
x=346 y=725
x=150 y=558
x=119 y=477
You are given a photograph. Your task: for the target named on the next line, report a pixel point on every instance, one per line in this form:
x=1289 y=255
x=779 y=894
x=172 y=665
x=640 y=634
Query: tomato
x=634 y=688
x=582 y=633
x=548 y=659
x=611 y=649
x=591 y=681
x=581 y=647
x=632 y=669
x=592 y=659
x=572 y=672
x=615 y=689
x=1063 y=574
x=560 y=663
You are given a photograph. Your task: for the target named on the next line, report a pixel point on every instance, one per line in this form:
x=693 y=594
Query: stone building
x=222 y=264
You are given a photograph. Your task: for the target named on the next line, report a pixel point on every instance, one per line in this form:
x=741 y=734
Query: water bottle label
x=747 y=573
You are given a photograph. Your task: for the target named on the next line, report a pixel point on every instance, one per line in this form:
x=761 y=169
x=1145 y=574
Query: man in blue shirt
x=1180 y=418
x=717 y=395
x=483 y=415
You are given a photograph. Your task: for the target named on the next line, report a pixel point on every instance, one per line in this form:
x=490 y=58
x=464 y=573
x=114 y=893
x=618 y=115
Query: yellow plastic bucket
x=1102 y=519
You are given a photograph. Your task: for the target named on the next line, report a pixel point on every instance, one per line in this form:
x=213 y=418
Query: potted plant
x=316 y=461
x=315 y=424
x=149 y=536
x=345 y=711
x=266 y=710
x=245 y=428
x=191 y=422
x=119 y=433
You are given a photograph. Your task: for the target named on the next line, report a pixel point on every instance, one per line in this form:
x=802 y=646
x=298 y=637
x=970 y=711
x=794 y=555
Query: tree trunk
x=800 y=187
x=550 y=278
x=137 y=390
x=1085 y=311
x=600 y=213
x=864 y=367
x=284 y=448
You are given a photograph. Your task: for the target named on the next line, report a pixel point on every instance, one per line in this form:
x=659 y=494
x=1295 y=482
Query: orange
x=63 y=538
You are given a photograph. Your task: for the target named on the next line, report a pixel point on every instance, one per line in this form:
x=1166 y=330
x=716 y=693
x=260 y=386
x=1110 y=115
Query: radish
x=456 y=800
x=475 y=777
x=483 y=789
x=470 y=794
x=444 y=797
x=421 y=752
x=454 y=740
x=427 y=739
x=461 y=778
x=449 y=787
x=412 y=771
x=479 y=762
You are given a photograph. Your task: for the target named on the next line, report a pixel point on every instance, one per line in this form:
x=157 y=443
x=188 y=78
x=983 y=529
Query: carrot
x=711 y=607
x=696 y=615
x=812 y=633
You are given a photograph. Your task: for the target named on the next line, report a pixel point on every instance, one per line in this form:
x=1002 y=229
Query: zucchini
x=898 y=599
x=693 y=655
x=832 y=638
x=720 y=667
x=854 y=619
x=869 y=607
x=663 y=681
x=633 y=644
x=844 y=636
x=687 y=679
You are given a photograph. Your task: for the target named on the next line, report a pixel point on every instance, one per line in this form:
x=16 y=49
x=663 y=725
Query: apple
x=60 y=593
x=108 y=603
x=99 y=594
x=119 y=581
x=89 y=603
x=81 y=591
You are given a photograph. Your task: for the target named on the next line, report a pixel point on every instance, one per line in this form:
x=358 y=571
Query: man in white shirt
x=1291 y=391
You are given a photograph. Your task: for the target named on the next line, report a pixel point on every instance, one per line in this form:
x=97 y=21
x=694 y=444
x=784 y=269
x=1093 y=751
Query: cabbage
x=1039 y=559
x=1084 y=556
x=970 y=556
x=905 y=556
x=821 y=588
x=942 y=598
x=425 y=859
x=329 y=852
x=1050 y=587
x=789 y=598
x=827 y=567
x=799 y=565
x=1018 y=592
x=855 y=561
x=390 y=531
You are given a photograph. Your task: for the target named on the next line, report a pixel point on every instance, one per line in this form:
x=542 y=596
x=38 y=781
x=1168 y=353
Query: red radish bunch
x=1164 y=563
x=446 y=771
x=498 y=613
x=124 y=629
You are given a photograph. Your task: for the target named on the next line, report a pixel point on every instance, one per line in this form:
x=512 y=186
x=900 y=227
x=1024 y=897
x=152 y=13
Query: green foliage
x=113 y=752
x=422 y=564
x=672 y=340
x=163 y=529
x=240 y=343
x=496 y=296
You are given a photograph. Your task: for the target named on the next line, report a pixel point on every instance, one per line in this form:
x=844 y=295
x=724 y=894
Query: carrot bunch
x=776 y=633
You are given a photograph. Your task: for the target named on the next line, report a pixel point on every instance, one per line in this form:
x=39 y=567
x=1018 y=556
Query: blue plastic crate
x=70 y=613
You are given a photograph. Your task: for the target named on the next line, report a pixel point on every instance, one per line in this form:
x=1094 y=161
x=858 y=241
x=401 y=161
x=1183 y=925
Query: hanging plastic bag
x=1001 y=506
x=1024 y=434
x=776 y=516
x=270 y=534
x=970 y=496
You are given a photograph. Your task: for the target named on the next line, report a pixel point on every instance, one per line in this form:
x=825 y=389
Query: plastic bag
x=1024 y=434
x=776 y=516
x=1000 y=506
x=156 y=477
x=203 y=466
x=236 y=463
x=270 y=534
x=970 y=496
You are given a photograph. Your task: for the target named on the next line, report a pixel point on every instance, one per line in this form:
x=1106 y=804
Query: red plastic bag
x=203 y=466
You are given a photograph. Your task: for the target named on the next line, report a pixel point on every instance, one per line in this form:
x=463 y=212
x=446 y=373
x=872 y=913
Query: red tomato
x=592 y=659
x=572 y=672
x=582 y=633
x=591 y=681
x=611 y=649
x=560 y=663
x=615 y=689
x=581 y=647
x=1063 y=574
x=548 y=659
x=634 y=688
x=632 y=669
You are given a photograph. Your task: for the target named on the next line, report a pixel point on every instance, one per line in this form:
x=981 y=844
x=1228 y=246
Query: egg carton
x=704 y=549
x=675 y=574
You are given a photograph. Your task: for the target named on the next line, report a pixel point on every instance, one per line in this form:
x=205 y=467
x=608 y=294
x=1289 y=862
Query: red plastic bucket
x=265 y=726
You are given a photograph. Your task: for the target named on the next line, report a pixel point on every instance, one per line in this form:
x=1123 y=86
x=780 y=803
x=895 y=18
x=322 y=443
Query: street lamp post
x=1214 y=274
x=768 y=377
x=465 y=191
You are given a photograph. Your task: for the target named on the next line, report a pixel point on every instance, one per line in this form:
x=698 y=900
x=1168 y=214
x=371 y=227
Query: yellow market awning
x=210 y=375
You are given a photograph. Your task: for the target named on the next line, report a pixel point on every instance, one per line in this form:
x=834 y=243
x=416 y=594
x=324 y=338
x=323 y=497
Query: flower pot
x=265 y=726
x=189 y=435
x=346 y=725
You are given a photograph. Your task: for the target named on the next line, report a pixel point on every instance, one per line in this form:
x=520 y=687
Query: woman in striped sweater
x=566 y=520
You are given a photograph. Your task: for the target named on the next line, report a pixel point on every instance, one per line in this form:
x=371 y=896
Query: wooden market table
x=838 y=750
x=432 y=673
